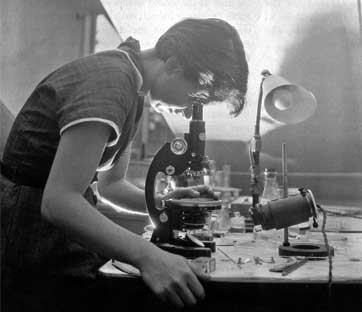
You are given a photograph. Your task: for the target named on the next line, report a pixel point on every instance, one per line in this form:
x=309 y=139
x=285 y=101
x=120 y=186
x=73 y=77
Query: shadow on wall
x=6 y=121
x=324 y=58
x=321 y=60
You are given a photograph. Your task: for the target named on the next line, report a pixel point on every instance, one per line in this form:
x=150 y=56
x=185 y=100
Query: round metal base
x=305 y=250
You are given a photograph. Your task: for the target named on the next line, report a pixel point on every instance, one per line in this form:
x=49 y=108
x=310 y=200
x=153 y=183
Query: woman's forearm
x=124 y=194
x=76 y=217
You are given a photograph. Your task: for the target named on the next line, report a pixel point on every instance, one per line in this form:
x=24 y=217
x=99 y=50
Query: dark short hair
x=211 y=53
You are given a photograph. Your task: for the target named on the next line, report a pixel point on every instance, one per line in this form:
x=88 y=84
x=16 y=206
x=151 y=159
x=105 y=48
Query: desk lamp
x=290 y=104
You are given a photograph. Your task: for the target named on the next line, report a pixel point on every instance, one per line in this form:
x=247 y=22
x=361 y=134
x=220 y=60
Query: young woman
x=77 y=124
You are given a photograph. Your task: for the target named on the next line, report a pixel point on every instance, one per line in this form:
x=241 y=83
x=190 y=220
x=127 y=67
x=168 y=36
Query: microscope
x=177 y=222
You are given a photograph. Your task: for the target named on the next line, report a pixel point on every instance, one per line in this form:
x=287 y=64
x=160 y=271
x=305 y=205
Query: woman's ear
x=173 y=66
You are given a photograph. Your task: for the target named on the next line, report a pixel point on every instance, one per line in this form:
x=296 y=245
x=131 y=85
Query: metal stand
x=305 y=250
x=285 y=189
x=255 y=148
x=299 y=249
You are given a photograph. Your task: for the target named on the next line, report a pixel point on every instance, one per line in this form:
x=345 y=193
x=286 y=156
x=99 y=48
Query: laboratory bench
x=242 y=280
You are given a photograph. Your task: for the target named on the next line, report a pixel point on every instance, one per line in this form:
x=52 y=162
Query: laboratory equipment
x=181 y=225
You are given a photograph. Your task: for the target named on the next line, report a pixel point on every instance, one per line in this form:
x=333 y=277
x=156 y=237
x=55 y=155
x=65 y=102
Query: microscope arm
x=170 y=164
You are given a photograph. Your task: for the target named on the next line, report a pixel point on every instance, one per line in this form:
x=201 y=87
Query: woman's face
x=171 y=91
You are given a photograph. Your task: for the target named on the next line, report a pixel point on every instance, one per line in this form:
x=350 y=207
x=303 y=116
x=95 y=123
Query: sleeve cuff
x=106 y=121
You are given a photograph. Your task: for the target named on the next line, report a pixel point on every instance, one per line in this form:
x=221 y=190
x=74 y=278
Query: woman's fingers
x=184 y=291
x=202 y=189
x=192 y=192
x=189 y=286
x=173 y=279
x=196 y=288
x=197 y=269
x=183 y=192
x=206 y=190
x=174 y=299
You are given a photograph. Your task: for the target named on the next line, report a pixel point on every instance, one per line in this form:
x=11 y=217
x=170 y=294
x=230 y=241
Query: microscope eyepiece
x=197 y=111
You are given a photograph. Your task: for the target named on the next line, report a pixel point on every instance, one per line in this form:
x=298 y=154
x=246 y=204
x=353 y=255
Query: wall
x=6 y=121
x=37 y=36
x=315 y=43
x=319 y=44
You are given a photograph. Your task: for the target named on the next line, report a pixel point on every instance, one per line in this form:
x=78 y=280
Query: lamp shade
x=287 y=102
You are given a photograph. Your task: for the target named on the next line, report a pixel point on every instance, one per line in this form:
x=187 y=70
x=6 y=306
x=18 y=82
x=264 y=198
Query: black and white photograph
x=181 y=155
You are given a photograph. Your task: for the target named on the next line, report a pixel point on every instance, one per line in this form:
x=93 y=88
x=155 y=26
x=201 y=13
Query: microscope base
x=210 y=244
x=185 y=251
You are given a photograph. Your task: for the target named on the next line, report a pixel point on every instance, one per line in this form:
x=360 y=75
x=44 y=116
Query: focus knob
x=179 y=146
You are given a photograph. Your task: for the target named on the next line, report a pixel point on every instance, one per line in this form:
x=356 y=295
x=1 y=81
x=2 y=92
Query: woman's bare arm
x=78 y=154
x=113 y=185
x=170 y=277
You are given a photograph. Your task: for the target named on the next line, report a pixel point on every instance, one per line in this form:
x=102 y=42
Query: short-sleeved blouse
x=101 y=87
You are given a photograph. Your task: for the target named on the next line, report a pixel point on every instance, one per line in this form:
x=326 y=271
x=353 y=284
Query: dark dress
x=41 y=268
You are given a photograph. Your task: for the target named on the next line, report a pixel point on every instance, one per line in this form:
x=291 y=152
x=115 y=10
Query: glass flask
x=271 y=189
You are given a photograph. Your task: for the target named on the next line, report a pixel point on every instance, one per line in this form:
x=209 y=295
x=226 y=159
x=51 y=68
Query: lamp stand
x=286 y=249
x=255 y=147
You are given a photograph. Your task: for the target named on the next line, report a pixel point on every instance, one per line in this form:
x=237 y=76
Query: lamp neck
x=255 y=147
x=265 y=73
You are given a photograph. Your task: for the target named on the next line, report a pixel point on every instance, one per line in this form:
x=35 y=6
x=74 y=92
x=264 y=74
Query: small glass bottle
x=212 y=173
x=223 y=219
x=237 y=223
x=226 y=169
x=271 y=189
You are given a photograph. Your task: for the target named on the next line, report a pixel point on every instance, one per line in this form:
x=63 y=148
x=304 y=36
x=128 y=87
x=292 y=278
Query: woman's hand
x=173 y=278
x=191 y=192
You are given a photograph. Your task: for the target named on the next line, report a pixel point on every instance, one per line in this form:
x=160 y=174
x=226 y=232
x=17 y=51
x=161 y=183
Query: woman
x=78 y=124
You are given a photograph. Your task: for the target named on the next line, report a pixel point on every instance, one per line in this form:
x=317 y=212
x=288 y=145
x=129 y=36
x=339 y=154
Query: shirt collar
x=131 y=48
